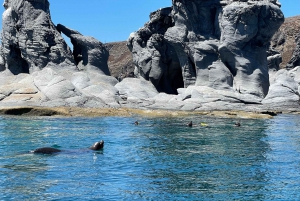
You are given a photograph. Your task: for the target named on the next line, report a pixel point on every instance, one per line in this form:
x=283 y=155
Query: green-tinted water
x=160 y=159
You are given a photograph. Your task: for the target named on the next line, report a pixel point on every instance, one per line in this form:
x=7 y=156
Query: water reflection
x=217 y=162
x=283 y=159
x=160 y=159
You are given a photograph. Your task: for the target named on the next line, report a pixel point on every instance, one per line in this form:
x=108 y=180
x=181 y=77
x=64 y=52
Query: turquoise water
x=157 y=160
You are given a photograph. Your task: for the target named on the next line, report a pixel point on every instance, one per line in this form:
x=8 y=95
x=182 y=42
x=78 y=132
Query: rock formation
x=198 y=55
x=154 y=59
x=285 y=89
x=88 y=52
x=283 y=45
x=219 y=44
x=30 y=40
x=38 y=68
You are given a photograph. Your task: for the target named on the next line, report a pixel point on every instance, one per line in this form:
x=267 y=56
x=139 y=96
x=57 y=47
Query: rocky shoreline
x=129 y=112
x=194 y=57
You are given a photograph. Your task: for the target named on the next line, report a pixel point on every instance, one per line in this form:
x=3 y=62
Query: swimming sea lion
x=97 y=145
x=237 y=124
x=46 y=150
x=190 y=124
x=50 y=150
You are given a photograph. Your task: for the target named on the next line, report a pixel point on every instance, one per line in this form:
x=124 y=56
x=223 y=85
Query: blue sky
x=114 y=20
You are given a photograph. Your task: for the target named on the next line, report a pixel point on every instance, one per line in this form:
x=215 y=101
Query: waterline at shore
x=97 y=112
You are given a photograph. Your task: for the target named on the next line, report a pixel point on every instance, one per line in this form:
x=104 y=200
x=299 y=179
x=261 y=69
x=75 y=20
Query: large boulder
x=89 y=53
x=285 y=89
x=220 y=44
x=137 y=88
x=30 y=40
x=53 y=85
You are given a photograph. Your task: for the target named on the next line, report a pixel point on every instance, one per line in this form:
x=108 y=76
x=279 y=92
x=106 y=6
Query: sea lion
x=190 y=124
x=237 y=124
x=46 y=150
x=97 y=146
x=49 y=150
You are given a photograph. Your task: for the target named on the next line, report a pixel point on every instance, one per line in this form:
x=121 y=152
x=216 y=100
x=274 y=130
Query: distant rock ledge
x=126 y=112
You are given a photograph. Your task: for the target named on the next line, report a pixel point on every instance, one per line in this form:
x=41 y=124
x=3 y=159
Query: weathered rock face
x=220 y=44
x=30 y=40
x=285 y=89
x=39 y=69
x=204 y=54
x=155 y=59
x=88 y=52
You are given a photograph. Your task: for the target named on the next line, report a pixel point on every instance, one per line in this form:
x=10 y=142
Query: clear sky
x=114 y=20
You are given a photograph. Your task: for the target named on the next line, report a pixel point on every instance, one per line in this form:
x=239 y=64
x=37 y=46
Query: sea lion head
x=98 y=145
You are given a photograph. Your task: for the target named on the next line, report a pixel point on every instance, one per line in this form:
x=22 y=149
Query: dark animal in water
x=49 y=150
x=237 y=124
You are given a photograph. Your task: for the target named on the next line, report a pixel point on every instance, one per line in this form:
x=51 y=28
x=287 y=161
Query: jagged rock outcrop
x=219 y=44
x=154 y=59
x=88 y=52
x=38 y=67
x=30 y=40
x=283 y=45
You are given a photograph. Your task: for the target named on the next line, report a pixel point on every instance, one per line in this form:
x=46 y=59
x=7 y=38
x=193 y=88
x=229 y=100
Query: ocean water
x=160 y=159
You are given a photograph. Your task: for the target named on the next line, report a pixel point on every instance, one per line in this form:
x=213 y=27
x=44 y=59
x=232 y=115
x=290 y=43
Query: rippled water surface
x=160 y=159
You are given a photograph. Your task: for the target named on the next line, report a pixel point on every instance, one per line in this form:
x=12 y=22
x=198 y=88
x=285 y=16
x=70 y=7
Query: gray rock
x=154 y=59
x=200 y=55
x=245 y=54
x=30 y=40
x=107 y=94
x=211 y=43
x=274 y=60
x=89 y=53
x=53 y=85
x=136 y=88
x=285 y=89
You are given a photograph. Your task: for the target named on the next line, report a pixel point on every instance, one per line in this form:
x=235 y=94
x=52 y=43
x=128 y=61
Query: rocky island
x=197 y=55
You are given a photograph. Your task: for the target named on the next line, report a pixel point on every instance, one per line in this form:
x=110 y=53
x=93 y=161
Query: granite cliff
x=196 y=55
